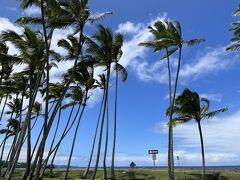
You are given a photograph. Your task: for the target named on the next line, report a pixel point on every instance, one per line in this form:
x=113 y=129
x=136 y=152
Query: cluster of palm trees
x=168 y=38
x=19 y=90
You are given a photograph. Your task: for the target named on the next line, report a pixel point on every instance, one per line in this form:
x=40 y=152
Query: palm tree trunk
x=170 y=145
x=115 y=129
x=55 y=152
x=17 y=148
x=106 y=147
x=9 y=153
x=94 y=139
x=41 y=149
x=4 y=105
x=75 y=135
x=3 y=145
x=66 y=130
x=47 y=90
x=170 y=136
x=202 y=149
x=54 y=137
x=36 y=143
x=28 y=163
x=3 y=148
x=102 y=124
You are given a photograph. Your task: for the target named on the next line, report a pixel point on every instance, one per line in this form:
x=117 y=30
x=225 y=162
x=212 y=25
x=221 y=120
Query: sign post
x=154 y=157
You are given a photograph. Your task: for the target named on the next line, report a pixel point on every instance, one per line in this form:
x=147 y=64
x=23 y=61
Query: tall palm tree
x=190 y=106
x=31 y=47
x=123 y=72
x=74 y=13
x=105 y=48
x=55 y=91
x=168 y=37
x=102 y=85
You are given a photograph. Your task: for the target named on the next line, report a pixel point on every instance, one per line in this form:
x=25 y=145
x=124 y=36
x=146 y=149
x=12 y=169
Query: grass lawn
x=144 y=175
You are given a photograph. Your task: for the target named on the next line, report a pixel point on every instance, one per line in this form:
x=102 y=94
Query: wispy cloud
x=220 y=137
x=208 y=61
x=14 y=9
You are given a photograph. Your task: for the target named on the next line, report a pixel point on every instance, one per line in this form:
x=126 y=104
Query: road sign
x=153 y=152
x=154 y=157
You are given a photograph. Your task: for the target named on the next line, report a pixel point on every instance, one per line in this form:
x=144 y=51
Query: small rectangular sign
x=154 y=157
x=153 y=152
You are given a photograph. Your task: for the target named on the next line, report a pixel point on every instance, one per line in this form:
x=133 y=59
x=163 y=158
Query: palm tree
x=118 y=69
x=235 y=45
x=168 y=37
x=54 y=95
x=13 y=128
x=105 y=48
x=74 y=13
x=102 y=85
x=190 y=106
x=31 y=47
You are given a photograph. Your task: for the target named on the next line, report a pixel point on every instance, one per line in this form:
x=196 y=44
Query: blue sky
x=206 y=68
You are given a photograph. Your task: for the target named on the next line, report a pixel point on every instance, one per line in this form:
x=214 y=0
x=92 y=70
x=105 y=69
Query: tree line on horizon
x=19 y=90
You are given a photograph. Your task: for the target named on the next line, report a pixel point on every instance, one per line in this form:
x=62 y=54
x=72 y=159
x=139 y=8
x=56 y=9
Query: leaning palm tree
x=105 y=48
x=31 y=47
x=190 y=106
x=168 y=37
x=84 y=79
x=74 y=13
x=102 y=85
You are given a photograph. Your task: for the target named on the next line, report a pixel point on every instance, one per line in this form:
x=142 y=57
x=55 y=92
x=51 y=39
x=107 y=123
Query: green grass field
x=145 y=175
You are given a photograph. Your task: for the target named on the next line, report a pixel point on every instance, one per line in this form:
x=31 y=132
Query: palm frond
x=169 y=53
x=214 y=113
x=97 y=17
x=29 y=20
x=194 y=41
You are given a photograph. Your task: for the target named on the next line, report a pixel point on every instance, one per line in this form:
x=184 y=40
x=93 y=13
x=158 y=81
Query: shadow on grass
x=213 y=176
x=132 y=176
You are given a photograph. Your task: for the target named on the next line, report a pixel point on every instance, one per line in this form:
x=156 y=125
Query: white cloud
x=31 y=11
x=205 y=62
x=137 y=33
x=220 y=139
x=211 y=61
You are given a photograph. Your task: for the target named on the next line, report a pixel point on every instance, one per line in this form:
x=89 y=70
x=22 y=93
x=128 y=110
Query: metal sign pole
x=154 y=157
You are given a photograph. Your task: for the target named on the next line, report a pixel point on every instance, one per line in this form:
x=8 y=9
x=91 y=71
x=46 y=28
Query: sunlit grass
x=138 y=175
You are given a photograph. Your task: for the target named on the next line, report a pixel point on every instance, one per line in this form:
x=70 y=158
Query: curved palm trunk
x=4 y=105
x=28 y=163
x=9 y=153
x=115 y=129
x=35 y=146
x=102 y=124
x=94 y=139
x=106 y=147
x=75 y=136
x=202 y=149
x=65 y=129
x=3 y=146
x=170 y=133
x=54 y=137
x=47 y=89
x=41 y=148
x=17 y=149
